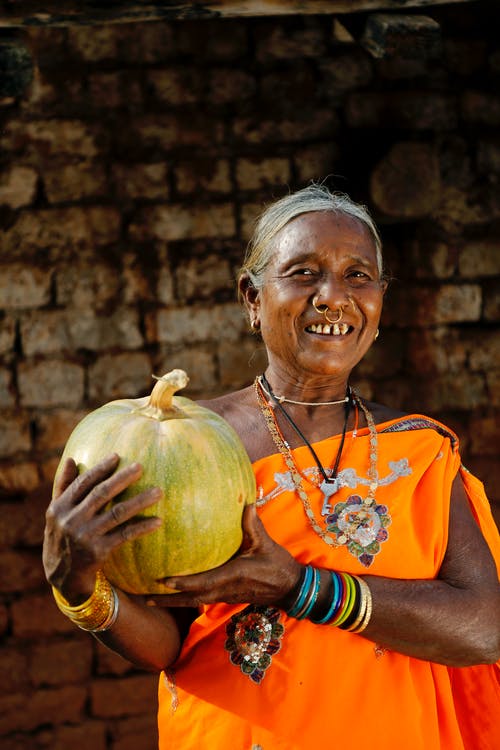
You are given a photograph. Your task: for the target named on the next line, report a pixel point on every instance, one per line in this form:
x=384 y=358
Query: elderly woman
x=363 y=608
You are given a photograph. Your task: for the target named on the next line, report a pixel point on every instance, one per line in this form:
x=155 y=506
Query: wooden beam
x=19 y=13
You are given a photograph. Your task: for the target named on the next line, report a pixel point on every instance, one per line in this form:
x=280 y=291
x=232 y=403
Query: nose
x=332 y=294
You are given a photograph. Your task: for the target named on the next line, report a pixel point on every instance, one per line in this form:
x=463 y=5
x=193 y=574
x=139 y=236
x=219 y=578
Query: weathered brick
x=258 y=130
x=287 y=92
x=252 y=174
x=487 y=469
x=403 y=110
x=435 y=260
x=7 y=332
x=240 y=363
x=14 y=674
x=484 y=435
x=22 y=286
x=406 y=182
x=119 y=376
x=401 y=36
x=44 y=139
x=18 y=477
x=53 y=428
x=209 y=175
x=481 y=107
x=493 y=382
x=54 y=706
x=147 y=42
x=88 y=734
x=425 y=306
x=114 y=89
x=449 y=392
x=4 y=619
x=460 y=207
x=346 y=71
x=72 y=182
x=123 y=697
x=50 y=383
x=36 y=616
x=147 y=181
x=491 y=299
x=488 y=157
x=249 y=213
x=199 y=363
x=15 y=435
x=101 y=44
x=94 y=285
x=481 y=258
x=192 y=324
x=176 y=222
x=137 y=731
x=142 y=282
x=62 y=231
x=21 y=570
x=167 y=131
x=437 y=350
x=203 y=278
x=61 y=662
x=176 y=85
x=18 y=186
x=55 y=331
x=22 y=521
x=278 y=42
x=312 y=162
x=465 y=56
x=212 y=40
x=48 y=468
x=229 y=85
x=484 y=346
x=7 y=392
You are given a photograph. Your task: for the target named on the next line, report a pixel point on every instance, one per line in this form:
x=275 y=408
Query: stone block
x=240 y=362
x=46 y=706
x=93 y=44
x=128 y=696
x=115 y=89
x=61 y=662
x=484 y=435
x=177 y=222
x=18 y=187
x=147 y=42
x=424 y=306
x=74 y=182
x=20 y=571
x=88 y=734
x=488 y=156
x=454 y=393
x=437 y=350
x=94 y=286
x=283 y=93
x=480 y=258
x=148 y=181
x=249 y=213
x=7 y=329
x=15 y=435
x=203 y=278
x=35 y=616
x=212 y=40
x=41 y=140
x=53 y=428
x=280 y=42
x=22 y=521
x=433 y=260
x=491 y=301
x=7 y=391
x=50 y=383
x=176 y=85
x=226 y=85
x=301 y=127
x=465 y=56
x=14 y=674
x=346 y=71
x=197 y=324
x=406 y=182
x=461 y=207
x=119 y=329
x=493 y=383
x=403 y=36
x=204 y=175
x=115 y=376
x=315 y=161
x=199 y=363
x=481 y=108
x=24 y=286
x=484 y=348
x=165 y=132
x=256 y=173
x=405 y=110
x=17 y=478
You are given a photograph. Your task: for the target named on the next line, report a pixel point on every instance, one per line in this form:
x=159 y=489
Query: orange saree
x=250 y=678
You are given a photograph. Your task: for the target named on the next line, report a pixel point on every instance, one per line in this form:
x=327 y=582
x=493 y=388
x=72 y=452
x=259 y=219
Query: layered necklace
x=359 y=523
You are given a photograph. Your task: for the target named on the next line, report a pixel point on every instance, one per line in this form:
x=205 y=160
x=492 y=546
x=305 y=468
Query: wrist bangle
x=367 y=613
x=98 y=612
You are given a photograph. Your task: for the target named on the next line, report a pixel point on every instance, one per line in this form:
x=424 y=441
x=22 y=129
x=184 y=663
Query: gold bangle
x=368 y=611
x=98 y=612
x=365 y=593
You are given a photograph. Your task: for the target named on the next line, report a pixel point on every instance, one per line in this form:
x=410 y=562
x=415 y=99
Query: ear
x=249 y=295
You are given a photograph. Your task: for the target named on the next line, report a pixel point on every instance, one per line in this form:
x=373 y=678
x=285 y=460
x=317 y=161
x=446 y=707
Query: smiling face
x=331 y=255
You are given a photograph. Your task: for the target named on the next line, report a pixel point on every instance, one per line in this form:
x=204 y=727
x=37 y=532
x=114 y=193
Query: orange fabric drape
x=322 y=687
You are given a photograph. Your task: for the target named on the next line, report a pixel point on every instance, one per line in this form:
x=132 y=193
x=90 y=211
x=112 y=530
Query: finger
x=86 y=481
x=129 y=531
x=68 y=474
x=253 y=529
x=95 y=495
x=125 y=510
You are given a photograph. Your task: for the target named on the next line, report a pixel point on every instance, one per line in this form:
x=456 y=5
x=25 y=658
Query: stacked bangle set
x=98 y=612
x=349 y=606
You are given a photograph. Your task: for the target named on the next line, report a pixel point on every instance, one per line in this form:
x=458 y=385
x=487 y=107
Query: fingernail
x=150 y=603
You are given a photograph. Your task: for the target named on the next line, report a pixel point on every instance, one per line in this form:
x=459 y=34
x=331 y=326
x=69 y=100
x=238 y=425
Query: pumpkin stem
x=160 y=404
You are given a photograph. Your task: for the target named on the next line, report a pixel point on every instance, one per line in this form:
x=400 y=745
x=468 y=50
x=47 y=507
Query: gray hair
x=311 y=198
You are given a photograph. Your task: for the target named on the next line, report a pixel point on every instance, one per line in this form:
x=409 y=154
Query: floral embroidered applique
x=359 y=527
x=253 y=637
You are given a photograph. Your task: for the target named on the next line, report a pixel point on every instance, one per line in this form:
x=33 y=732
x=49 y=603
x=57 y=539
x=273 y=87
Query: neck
x=308 y=394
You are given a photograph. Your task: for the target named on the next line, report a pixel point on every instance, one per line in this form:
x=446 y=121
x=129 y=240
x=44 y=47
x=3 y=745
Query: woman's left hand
x=261 y=573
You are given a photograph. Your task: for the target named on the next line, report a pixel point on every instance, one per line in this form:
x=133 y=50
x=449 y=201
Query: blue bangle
x=336 y=597
x=313 y=595
x=301 y=597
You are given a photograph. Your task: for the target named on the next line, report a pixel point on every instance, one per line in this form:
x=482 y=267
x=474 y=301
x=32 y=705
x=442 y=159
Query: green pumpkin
x=197 y=459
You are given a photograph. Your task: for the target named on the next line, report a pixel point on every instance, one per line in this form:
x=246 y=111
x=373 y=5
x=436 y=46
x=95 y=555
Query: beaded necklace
x=369 y=501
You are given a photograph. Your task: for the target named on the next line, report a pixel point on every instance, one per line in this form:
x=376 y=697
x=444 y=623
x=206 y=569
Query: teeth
x=336 y=329
x=344 y=328
x=319 y=328
x=328 y=330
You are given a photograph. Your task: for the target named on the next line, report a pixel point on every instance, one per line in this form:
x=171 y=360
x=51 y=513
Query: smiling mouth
x=336 y=329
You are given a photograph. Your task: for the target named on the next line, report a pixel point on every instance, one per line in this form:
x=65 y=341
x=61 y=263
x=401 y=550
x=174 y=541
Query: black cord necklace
x=347 y=408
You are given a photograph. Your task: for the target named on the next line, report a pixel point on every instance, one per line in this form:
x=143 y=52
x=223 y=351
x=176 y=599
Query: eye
x=357 y=275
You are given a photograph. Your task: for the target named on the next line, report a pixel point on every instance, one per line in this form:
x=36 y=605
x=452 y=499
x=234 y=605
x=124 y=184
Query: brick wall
x=131 y=170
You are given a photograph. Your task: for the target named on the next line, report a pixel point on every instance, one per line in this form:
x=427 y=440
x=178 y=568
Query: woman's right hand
x=80 y=534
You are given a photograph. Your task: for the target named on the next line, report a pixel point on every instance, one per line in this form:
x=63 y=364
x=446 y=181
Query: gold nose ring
x=323 y=310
